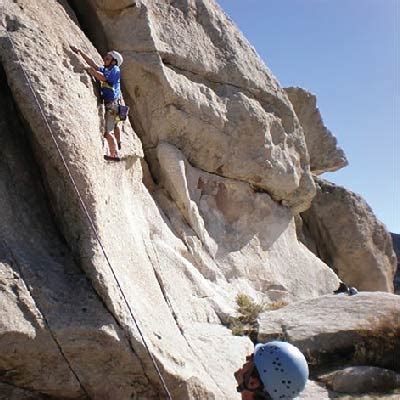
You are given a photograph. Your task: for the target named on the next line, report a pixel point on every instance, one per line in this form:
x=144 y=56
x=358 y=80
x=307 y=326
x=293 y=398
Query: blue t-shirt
x=111 y=89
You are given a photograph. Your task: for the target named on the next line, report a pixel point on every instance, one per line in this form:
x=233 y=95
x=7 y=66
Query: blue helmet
x=282 y=368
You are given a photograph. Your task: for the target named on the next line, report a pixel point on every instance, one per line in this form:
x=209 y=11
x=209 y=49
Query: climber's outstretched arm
x=97 y=74
x=88 y=60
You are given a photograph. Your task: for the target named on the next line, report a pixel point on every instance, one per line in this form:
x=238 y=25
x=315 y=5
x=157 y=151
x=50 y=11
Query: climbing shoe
x=109 y=158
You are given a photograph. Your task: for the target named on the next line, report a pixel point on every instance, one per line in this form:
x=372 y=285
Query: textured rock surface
x=363 y=328
x=348 y=237
x=179 y=278
x=195 y=82
x=322 y=147
x=241 y=229
x=362 y=379
x=396 y=248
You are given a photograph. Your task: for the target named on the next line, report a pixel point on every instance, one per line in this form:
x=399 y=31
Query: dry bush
x=248 y=308
x=245 y=324
x=380 y=345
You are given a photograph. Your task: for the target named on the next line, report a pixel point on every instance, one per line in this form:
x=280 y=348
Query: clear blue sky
x=347 y=53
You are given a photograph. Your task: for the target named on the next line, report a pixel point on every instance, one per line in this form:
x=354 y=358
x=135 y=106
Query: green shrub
x=245 y=324
x=379 y=342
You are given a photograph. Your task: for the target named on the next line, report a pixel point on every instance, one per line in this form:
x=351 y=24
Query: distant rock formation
x=343 y=231
x=325 y=155
x=396 y=247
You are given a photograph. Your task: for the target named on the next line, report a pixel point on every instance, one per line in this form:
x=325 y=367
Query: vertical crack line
x=160 y=282
x=52 y=334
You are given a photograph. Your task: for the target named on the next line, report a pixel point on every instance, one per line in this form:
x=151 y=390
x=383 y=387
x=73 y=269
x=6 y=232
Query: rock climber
x=276 y=370
x=109 y=76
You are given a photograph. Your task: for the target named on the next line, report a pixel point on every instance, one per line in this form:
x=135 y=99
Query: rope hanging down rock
x=92 y=225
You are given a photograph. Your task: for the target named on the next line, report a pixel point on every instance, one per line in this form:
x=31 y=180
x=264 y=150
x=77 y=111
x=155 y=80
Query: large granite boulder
x=362 y=329
x=362 y=379
x=65 y=323
x=322 y=147
x=195 y=82
x=343 y=231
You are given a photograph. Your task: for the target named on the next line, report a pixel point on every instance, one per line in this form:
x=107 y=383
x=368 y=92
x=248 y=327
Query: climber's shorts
x=111 y=116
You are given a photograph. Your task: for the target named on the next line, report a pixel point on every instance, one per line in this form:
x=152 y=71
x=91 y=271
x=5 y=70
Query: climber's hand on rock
x=90 y=70
x=75 y=49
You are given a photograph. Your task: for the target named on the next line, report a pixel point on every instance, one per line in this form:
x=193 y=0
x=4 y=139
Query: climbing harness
x=93 y=227
x=123 y=112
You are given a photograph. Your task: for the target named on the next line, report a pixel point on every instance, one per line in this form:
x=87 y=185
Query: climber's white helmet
x=117 y=57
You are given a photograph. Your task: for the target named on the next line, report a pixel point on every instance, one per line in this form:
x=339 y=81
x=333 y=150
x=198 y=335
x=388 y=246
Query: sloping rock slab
x=325 y=155
x=50 y=315
x=362 y=379
x=364 y=328
x=349 y=238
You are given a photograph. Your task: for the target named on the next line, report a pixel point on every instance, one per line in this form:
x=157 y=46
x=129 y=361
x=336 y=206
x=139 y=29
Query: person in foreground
x=109 y=76
x=276 y=370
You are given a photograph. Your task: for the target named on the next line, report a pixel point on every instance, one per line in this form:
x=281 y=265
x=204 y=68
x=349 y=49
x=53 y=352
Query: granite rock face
x=343 y=231
x=325 y=155
x=195 y=82
x=179 y=256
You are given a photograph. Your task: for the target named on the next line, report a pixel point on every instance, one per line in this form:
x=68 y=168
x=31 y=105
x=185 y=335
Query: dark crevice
x=313 y=230
x=86 y=17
